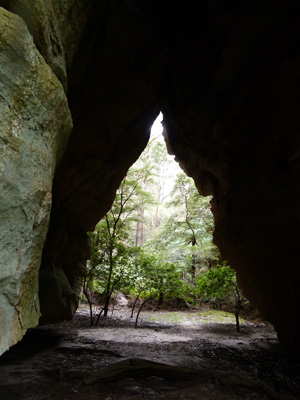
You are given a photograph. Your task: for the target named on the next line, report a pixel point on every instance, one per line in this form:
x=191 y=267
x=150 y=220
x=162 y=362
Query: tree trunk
x=90 y=307
x=140 y=309
x=209 y=263
x=159 y=202
x=193 y=268
x=139 y=239
x=108 y=286
x=114 y=303
x=106 y=305
x=237 y=320
x=238 y=305
x=99 y=315
x=160 y=299
x=133 y=305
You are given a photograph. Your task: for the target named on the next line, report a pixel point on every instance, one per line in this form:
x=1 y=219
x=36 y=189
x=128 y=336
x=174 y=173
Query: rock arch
x=227 y=81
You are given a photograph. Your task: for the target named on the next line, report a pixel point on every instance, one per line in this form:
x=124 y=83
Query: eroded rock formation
x=35 y=126
x=226 y=78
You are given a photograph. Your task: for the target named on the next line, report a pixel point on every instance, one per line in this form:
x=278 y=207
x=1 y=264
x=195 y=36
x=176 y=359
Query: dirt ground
x=56 y=362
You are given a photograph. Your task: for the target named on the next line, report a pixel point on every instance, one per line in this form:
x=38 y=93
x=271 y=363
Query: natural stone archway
x=226 y=78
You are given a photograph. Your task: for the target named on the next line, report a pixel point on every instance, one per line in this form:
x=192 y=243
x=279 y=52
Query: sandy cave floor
x=53 y=362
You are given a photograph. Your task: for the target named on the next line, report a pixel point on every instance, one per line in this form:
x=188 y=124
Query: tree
x=113 y=247
x=185 y=237
x=219 y=286
x=88 y=288
x=150 y=170
x=121 y=251
x=155 y=279
x=113 y=250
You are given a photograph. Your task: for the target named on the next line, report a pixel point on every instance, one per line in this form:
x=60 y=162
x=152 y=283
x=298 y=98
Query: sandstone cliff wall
x=35 y=126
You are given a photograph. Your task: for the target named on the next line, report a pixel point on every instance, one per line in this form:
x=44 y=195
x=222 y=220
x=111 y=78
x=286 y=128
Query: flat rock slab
x=138 y=367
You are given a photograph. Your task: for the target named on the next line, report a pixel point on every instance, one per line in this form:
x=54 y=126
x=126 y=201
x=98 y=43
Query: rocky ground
x=197 y=356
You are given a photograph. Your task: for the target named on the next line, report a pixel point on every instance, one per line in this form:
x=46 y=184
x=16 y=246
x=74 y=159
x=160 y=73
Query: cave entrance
x=155 y=245
x=179 y=349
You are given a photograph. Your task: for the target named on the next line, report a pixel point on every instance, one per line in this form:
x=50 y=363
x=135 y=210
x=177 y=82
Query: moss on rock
x=35 y=126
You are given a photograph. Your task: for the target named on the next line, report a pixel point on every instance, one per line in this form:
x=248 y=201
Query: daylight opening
x=155 y=244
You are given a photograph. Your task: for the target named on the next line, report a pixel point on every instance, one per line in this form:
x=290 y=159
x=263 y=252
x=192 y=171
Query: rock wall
x=113 y=96
x=232 y=121
x=56 y=28
x=35 y=126
x=225 y=77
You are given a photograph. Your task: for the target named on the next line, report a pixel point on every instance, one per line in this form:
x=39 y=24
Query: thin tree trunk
x=159 y=201
x=139 y=239
x=133 y=305
x=237 y=320
x=209 y=263
x=140 y=309
x=99 y=315
x=114 y=304
x=194 y=243
x=193 y=268
x=108 y=286
x=161 y=298
x=106 y=304
x=237 y=309
x=90 y=307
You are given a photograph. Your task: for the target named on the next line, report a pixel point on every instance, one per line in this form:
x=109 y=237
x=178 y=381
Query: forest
x=155 y=244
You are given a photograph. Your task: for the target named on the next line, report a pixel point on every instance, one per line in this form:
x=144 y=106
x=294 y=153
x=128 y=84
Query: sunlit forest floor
x=207 y=358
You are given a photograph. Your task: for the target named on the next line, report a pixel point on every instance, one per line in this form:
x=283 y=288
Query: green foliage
x=185 y=237
x=217 y=285
x=165 y=262
x=153 y=277
x=113 y=251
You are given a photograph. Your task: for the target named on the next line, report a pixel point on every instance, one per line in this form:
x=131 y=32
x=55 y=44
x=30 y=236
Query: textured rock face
x=35 y=125
x=235 y=129
x=56 y=27
x=226 y=77
x=113 y=106
x=226 y=81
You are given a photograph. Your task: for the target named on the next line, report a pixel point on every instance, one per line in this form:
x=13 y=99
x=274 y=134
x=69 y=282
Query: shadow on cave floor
x=201 y=358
